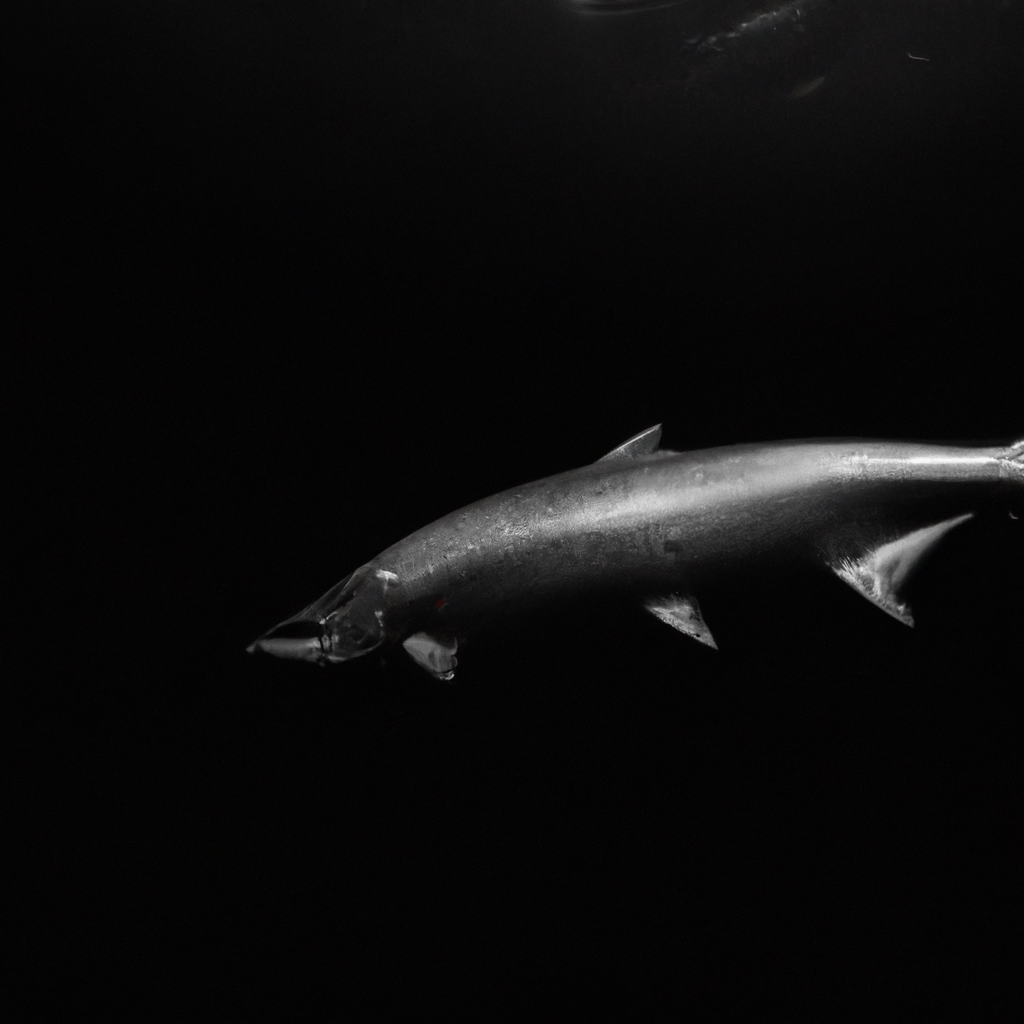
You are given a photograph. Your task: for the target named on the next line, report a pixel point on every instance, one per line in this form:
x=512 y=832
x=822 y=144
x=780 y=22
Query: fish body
x=654 y=526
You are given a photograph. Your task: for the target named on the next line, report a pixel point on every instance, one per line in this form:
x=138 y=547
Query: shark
x=655 y=526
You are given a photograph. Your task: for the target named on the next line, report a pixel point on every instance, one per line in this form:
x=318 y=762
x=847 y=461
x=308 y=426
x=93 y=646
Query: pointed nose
x=304 y=648
x=297 y=637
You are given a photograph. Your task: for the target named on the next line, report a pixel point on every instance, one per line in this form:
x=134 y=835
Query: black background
x=290 y=280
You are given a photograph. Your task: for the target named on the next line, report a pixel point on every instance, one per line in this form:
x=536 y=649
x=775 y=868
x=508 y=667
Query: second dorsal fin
x=644 y=443
x=879 y=572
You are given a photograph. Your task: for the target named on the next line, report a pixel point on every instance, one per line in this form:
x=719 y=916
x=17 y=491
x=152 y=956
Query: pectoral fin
x=435 y=654
x=681 y=612
x=879 y=572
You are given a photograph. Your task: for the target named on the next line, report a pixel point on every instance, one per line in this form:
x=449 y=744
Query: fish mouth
x=298 y=638
x=345 y=623
x=319 y=640
x=284 y=647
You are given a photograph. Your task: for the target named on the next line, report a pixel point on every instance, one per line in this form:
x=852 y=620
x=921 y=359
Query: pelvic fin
x=681 y=612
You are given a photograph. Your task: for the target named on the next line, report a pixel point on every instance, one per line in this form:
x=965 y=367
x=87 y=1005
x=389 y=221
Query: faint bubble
x=806 y=88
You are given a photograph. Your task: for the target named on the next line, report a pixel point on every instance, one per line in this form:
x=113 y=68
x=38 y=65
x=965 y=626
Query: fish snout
x=297 y=638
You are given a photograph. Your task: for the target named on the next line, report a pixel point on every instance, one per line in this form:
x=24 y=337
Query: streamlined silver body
x=656 y=525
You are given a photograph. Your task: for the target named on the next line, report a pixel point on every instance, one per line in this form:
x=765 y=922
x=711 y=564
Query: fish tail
x=1012 y=462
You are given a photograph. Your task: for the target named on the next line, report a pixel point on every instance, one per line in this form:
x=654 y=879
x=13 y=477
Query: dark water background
x=292 y=279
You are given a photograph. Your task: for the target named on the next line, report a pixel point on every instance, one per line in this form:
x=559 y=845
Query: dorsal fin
x=644 y=443
x=879 y=572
